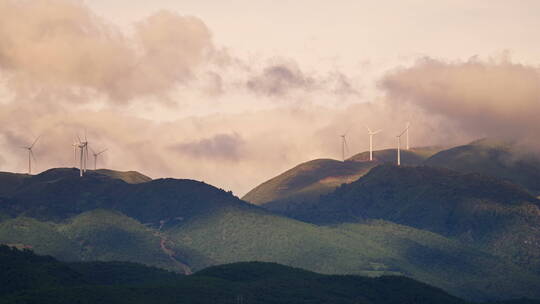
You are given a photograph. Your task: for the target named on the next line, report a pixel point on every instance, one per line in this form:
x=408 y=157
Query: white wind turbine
x=83 y=155
x=31 y=154
x=407 y=130
x=371 y=134
x=96 y=156
x=399 y=145
x=75 y=146
x=344 y=146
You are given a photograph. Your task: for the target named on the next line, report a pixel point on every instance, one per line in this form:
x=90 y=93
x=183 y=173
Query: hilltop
x=502 y=159
x=494 y=214
x=307 y=181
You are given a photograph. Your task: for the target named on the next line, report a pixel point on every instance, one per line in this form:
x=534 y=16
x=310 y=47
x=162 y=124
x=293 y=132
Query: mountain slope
x=130 y=177
x=482 y=211
x=58 y=194
x=368 y=249
x=307 y=181
x=186 y=225
x=10 y=182
x=413 y=156
x=495 y=158
x=34 y=279
x=98 y=235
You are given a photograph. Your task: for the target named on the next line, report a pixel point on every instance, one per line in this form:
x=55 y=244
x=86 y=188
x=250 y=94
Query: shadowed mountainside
x=479 y=210
x=309 y=180
x=28 y=278
x=495 y=158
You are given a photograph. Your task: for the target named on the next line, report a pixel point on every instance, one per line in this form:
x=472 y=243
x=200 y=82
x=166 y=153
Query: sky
x=236 y=92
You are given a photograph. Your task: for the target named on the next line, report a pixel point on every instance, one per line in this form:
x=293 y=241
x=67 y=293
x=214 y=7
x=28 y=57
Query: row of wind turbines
x=80 y=147
x=371 y=134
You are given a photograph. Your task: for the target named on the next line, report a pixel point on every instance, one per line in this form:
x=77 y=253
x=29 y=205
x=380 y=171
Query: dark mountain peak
x=443 y=180
x=130 y=177
x=412 y=156
x=489 y=142
x=408 y=157
x=60 y=193
x=9 y=182
x=502 y=159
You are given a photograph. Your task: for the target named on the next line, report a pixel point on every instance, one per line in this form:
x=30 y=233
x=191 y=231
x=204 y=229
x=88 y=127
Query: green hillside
x=307 y=181
x=495 y=158
x=98 y=235
x=28 y=278
x=495 y=215
x=185 y=225
x=372 y=249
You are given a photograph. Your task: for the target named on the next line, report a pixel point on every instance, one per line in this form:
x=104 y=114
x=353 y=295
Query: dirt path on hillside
x=170 y=253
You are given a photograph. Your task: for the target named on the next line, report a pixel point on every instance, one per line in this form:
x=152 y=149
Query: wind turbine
x=371 y=134
x=344 y=146
x=407 y=129
x=83 y=146
x=399 y=145
x=31 y=154
x=75 y=146
x=96 y=156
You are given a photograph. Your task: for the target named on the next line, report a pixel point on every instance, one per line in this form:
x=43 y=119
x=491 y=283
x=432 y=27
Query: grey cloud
x=494 y=98
x=340 y=84
x=220 y=146
x=58 y=49
x=279 y=79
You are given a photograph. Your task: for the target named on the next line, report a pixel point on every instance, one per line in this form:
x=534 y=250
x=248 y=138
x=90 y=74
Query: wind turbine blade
x=79 y=138
x=35 y=141
x=369 y=130
x=32 y=154
x=377 y=132
x=102 y=151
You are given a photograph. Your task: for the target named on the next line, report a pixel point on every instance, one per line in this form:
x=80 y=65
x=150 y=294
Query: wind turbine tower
x=83 y=155
x=31 y=154
x=399 y=145
x=344 y=146
x=407 y=130
x=371 y=134
x=75 y=146
x=96 y=156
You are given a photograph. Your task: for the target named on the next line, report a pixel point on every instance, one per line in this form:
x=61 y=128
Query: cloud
x=218 y=147
x=279 y=79
x=493 y=97
x=283 y=77
x=54 y=49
